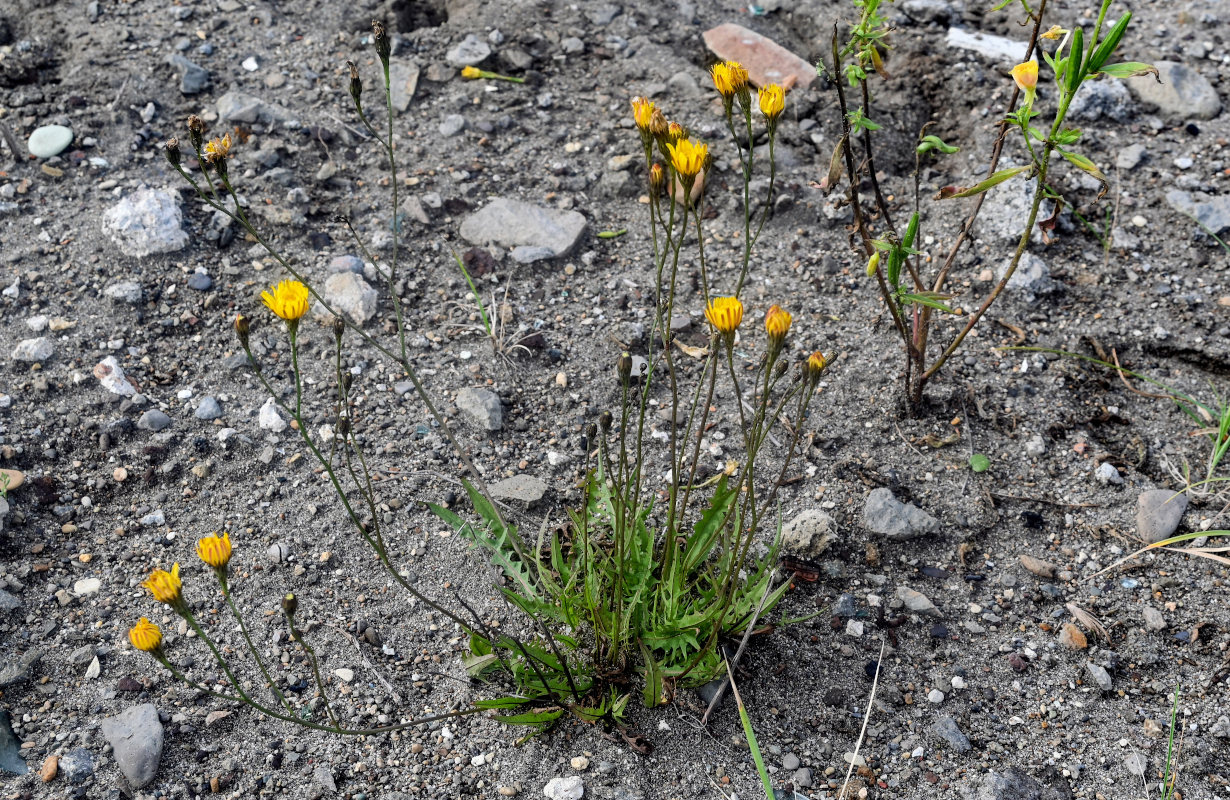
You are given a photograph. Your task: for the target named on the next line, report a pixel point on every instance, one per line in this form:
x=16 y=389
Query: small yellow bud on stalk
x=873 y=264
x=242 y=328
x=816 y=364
x=657 y=179
x=145 y=636
x=290 y=604
x=623 y=367
x=474 y=73
x=777 y=325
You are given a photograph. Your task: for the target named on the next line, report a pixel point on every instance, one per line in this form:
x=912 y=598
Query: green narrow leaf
x=1077 y=49
x=911 y=232
x=449 y=517
x=1130 y=69
x=928 y=300
x=1106 y=48
x=501 y=702
x=653 y=678
x=995 y=180
x=531 y=717
x=1084 y=164
x=700 y=541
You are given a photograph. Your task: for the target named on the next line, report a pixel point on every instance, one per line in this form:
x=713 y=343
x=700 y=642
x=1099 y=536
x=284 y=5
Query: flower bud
x=380 y=39
x=873 y=264
x=780 y=369
x=777 y=325
x=657 y=179
x=623 y=366
x=339 y=327
x=343 y=426
x=816 y=364
x=604 y=421
x=290 y=604
x=242 y=328
x=356 y=83
x=196 y=131
x=172 y=151
x=591 y=430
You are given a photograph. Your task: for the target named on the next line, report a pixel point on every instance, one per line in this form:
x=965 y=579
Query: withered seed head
x=196 y=131
x=172 y=151
x=380 y=39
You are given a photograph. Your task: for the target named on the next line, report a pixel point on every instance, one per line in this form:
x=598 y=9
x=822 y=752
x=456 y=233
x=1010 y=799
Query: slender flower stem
x=243 y=628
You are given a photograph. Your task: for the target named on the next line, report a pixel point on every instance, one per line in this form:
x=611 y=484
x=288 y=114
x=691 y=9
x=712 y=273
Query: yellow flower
x=215 y=550
x=165 y=586
x=642 y=112
x=145 y=636
x=1055 y=32
x=725 y=314
x=471 y=72
x=218 y=149
x=729 y=77
x=772 y=101
x=289 y=300
x=777 y=324
x=815 y=365
x=688 y=157
x=1026 y=77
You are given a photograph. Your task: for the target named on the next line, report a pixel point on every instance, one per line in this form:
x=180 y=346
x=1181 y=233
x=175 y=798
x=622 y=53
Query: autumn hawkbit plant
x=1037 y=112
x=658 y=569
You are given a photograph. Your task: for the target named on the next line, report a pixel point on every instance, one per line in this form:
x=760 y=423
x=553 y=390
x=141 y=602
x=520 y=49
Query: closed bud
x=290 y=604
x=339 y=327
x=675 y=132
x=343 y=425
x=348 y=380
x=172 y=151
x=242 y=328
x=356 y=83
x=604 y=421
x=196 y=131
x=657 y=179
x=658 y=125
x=873 y=264
x=623 y=366
x=780 y=369
x=591 y=430
x=380 y=38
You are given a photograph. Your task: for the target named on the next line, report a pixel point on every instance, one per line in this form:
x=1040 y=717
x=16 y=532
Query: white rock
x=347 y=675
x=570 y=788
x=935 y=696
x=49 y=140
x=111 y=375
x=86 y=587
x=146 y=222
x=995 y=48
x=270 y=419
x=30 y=350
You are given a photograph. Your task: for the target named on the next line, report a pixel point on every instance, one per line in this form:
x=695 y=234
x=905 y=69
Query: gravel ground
x=130 y=414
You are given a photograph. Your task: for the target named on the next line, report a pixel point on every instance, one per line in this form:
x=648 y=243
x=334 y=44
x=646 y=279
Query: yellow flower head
x=165 y=586
x=816 y=364
x=1026 y=77
x=471 y=72
x=1055 y=32
x=642 y=112
x=657 y=179
x=777 y=324
x=145 y=636
x=218 y=149
x=215 y=550
x=772 y=101
x=688 y=157
x=729 y=77
x=289 y=300
x=725 y=314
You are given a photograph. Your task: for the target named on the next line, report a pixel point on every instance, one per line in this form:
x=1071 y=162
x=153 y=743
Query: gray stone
x=351 y=295
x=1212 y=212
x=572 y=46
x=403 y=81
x=1006 y=208
x=346 y=263
x=10 y=748
x=482 y=407
x=604 y=14
x=153 y=420
x=193 y=78
x=937 y=11
x=1130 y=156
x=249 y=109
x=135 y=736
x=1221 y=728
x=801 y=778
x=1136 y=764
x=995 y=49
x=82 y=656
x=17 y=671
x=528 y=254
x=1158 y=514
x=1099 y=676
x=49 y=140
x=526 y=489
x=886 y=515
x=30 y=350
x=682 y=85
x=946 y=729
x=570 y=788
x=208 y=409
x=8 y=602
x=790 y=761
x=125 y=292
x=1108 y=475
x=146 y=222
x=1014 y=784
x=808 y=534
x=509 y=223
x=1154 y=621
x=452 y=125
x=1031 y=278
x=200 y=281
x=1182 y=93
x=470 y=52
x=917 y=602
x=1104 y=99
x=322 y=776
x=77 y=765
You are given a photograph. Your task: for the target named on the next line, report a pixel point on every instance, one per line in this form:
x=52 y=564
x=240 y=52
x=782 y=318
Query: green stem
x=243 y=628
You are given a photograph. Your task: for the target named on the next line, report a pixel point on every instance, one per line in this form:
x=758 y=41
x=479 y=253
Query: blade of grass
x=750 y=735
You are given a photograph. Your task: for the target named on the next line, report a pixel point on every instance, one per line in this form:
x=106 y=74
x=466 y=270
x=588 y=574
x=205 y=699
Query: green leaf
x=531 y=717
x=502 y=702
x=653 y=679
x=1105 y=48
x=995 y=180
x=1130 y=69
x=700 y=542
x=1084 y=164
x=612 y=234
x=979 y=463
x=476 y=665
x=929 y=299
x=931 y=142
x=1077 y=49
x=454 y=521
x=911 y=232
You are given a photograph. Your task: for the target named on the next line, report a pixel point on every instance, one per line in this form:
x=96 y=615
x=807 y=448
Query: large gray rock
x=135 y=736
x=193 y=77
x=809 y=534
x=509 y=223
x=996 y=49
x=1158 y=513
x=481 y=407
x=526 y=489
x=947 y=730
x=1182 y=92
x=146 y=222
x=1031 y=278
x=469 y=52
x=30 y=350
x=886 y=515
x=10 y=748
x=1211 y=211
x=351 y=295
x=18 y=670
x=403 y=81
x=1105 y=99
x=1014 y=784
x=249 y=109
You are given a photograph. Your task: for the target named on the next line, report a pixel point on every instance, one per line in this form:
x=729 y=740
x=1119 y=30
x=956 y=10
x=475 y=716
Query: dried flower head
x=729 y=77
x=688 y=157
x=725 y=314
x=356 y=83
x=196 y=131
x=242 y=329
x=165 y=586
x=145 y=636
x=172 y=151
x=642 y=113
x=658 y=126
x=289 y=300
x=772 y=101
x=380 y=40
x=215 y=550
x=777 y=325
x=218 y=149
